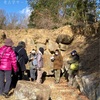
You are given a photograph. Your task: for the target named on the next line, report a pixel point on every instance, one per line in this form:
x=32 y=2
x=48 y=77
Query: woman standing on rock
x=7 y=62
x=40 y=64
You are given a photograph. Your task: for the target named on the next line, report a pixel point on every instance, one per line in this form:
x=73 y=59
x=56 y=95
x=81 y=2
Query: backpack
x=17 y=54
x=74 y=66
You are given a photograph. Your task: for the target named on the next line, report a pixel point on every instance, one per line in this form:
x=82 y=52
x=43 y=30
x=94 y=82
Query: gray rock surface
x=63 y=47
x=52 y=45
x=90 y=86
x=26 y=90
x=64 y=39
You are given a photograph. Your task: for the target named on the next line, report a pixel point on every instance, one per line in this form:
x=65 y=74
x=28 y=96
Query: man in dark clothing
x=73 y=62
x=22 y=58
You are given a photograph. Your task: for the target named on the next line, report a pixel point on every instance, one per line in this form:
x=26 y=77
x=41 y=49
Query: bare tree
x=23 y=21
x=12 y=20
x=2 y=19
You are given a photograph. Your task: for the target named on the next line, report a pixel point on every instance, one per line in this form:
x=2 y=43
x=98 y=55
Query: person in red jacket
x=8 y=62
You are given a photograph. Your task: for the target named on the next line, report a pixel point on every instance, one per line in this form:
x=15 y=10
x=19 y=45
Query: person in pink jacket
x=8 y=62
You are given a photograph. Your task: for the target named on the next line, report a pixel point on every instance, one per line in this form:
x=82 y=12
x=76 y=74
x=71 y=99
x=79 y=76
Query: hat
x=74 y=52
x=41 y=50
x=33 y=51
x=8 y=42
x=57 y=50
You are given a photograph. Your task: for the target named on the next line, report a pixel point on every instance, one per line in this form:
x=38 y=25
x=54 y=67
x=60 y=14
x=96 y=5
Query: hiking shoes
x=6 y=95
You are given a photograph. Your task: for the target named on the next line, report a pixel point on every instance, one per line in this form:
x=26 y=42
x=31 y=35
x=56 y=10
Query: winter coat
x=73 y=61
x=32 y=63
x=8 y=59
x=23 y=58
x=58 y=61
x=39 y=60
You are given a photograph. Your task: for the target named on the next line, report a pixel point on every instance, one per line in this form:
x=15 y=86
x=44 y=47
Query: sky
x=15 y=6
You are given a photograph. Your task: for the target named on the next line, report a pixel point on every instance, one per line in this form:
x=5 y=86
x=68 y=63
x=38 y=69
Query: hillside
x=86 y=45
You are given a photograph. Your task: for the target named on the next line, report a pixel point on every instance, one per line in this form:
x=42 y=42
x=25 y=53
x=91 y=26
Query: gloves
x=39 y=69
x=25 y=73
x=52 y=59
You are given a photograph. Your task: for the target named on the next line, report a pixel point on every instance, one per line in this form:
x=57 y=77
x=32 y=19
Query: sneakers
x=6 y=95
x=31 y=79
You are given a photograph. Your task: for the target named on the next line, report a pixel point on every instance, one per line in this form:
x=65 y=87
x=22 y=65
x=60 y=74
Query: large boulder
x=51 y=45
x=63 y=47
x=64 y=39
x=26 y=90
x=90 y=86
x=48 y=65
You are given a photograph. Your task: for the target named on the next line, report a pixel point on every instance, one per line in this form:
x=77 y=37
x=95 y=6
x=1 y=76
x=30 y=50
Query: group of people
x=13 y=60
x=12 y=65
x=36 y=64
x=72 y=66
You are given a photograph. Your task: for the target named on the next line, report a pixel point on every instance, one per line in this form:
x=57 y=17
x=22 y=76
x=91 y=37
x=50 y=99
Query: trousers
x=57 y=75
x=5 y=81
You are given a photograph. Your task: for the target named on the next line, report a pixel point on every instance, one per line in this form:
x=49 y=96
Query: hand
x=25 y=73
x=52 y=70
x=52 y=59
x=31 y=58
x=39 y=69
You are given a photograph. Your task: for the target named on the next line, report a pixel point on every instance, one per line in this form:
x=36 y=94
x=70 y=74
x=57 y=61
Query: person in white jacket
x=40 y=64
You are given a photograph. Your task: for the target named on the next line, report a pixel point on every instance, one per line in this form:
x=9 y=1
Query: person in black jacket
x=22 y=58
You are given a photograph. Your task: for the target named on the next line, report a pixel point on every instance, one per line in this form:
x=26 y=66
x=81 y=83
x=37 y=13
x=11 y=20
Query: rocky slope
x=29 y=90
x=66 y=39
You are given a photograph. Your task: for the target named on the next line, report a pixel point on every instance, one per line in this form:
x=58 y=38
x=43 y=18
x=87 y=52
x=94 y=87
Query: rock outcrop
x=26 y=90
x=90 y=86
x=62 y=39
x=52 y=45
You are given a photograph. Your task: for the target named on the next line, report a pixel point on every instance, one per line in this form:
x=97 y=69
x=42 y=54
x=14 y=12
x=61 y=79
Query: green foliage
x=62 y=11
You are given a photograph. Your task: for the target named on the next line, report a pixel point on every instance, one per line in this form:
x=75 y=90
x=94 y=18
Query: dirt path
x=62 y=92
